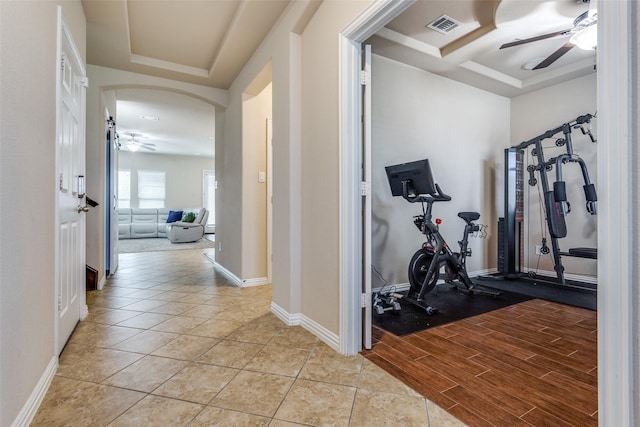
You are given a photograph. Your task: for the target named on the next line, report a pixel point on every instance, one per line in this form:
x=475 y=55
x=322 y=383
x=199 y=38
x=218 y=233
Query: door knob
x=83 y=208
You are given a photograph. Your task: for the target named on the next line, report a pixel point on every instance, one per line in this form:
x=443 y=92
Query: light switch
x=262 y=176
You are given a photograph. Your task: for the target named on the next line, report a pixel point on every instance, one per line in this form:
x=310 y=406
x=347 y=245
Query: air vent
x=445 y=24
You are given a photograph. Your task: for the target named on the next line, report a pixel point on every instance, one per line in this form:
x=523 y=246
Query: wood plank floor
x=533 y=363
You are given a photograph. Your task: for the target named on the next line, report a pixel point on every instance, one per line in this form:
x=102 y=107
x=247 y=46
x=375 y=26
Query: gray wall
x=183 y=175
x=461 y=130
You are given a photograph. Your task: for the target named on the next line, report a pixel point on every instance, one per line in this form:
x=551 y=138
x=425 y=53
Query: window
x=151 y=192
x=124 y=188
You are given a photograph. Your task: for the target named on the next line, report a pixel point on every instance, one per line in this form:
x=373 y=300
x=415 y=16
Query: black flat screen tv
x=418 y=175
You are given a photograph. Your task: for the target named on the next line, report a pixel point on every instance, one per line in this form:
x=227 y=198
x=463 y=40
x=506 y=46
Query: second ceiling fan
x=134 y=144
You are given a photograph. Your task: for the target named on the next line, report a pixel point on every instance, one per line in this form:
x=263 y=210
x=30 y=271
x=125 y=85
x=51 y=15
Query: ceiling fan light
x=586 y=38
x=133 y=147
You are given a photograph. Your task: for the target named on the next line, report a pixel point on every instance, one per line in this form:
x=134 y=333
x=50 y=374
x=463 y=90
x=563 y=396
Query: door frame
x=350 y=134
x=618 y=366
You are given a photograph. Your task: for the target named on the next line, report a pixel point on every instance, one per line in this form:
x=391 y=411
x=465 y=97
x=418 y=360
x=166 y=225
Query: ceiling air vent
x=444 y=24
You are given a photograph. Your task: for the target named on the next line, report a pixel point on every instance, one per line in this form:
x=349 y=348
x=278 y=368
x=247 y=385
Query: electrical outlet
x=538 y=250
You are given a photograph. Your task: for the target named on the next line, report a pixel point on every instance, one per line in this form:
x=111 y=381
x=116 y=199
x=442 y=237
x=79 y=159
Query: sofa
x=142 y=223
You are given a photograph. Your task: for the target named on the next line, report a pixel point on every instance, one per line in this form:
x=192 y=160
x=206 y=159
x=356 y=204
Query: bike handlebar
x=438 y=197
x=441 y=197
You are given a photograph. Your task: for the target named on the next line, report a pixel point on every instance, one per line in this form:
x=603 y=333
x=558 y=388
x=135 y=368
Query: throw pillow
x=174 y=216
x=189 y=217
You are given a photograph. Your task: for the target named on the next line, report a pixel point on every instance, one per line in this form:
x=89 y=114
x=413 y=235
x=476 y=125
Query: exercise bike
x=414 y=182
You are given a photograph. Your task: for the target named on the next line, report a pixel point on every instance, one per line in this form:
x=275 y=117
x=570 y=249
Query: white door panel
x=70 y=174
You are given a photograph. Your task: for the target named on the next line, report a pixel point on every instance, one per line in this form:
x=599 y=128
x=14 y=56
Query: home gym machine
x=414 y=182
x=511 y=247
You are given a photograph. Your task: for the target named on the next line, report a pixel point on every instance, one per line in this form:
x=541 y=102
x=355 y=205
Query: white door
x=70 y=235
x=366 y=196
x=112 y=199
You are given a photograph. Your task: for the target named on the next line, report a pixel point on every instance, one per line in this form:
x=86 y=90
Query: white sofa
x=140 y=223
x=183 y=232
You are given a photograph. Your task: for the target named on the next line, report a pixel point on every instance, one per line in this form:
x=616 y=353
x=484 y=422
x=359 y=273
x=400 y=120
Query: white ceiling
x=205 y=42
x=184 y=125
x=471 y=52
x=208 y=42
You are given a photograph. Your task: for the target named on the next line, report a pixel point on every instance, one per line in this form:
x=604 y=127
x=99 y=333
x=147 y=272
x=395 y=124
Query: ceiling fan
x=134 y=144
x=583 y=34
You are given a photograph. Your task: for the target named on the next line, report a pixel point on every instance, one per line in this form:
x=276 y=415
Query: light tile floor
x=169 y=342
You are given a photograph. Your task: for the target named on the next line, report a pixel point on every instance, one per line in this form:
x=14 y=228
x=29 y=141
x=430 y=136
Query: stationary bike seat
x=469 y=216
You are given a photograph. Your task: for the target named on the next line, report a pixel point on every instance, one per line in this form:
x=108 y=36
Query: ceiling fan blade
x=149 y=148
x=536 y=38
x=555 y=55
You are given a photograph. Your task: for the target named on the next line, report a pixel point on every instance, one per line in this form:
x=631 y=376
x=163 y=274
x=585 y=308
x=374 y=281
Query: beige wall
x=27 y=187
x=462 y=134
x=533 y=114
x=183 y=176
x=255 y=112
x=320 y=163
x=281 y=48
x=305 y=160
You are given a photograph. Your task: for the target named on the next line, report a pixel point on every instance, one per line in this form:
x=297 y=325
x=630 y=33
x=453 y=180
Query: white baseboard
x=242 y=283
x=32 y=404
x=84 y=312
x=288 y=319
x=258 y=281
x=101 y=283
x=326 y=336
x=229 y=275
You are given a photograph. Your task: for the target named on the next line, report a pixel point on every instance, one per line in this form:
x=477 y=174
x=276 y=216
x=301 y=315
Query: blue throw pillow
x=174 y=216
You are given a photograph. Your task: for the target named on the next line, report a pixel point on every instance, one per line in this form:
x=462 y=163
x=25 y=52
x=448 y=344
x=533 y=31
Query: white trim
x=350 y=151
x=282 y=314
x=298 y=319
x=56 y=232
x=325 y=335
x=241 y=283
x=618 y=329
x=103 y=281
x=257 y=281
x=229 y=275
x=170 y=66
x=294 y=208
x=84 y=311
x=32 y=404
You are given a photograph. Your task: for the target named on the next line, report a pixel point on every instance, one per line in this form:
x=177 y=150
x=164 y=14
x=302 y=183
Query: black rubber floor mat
x=452 y=305
x=574 y=293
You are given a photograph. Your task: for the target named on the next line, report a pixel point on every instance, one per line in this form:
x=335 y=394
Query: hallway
x=169 y=342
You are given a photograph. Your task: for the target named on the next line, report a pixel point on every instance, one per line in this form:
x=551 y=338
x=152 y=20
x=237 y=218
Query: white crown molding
x=169 y=66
